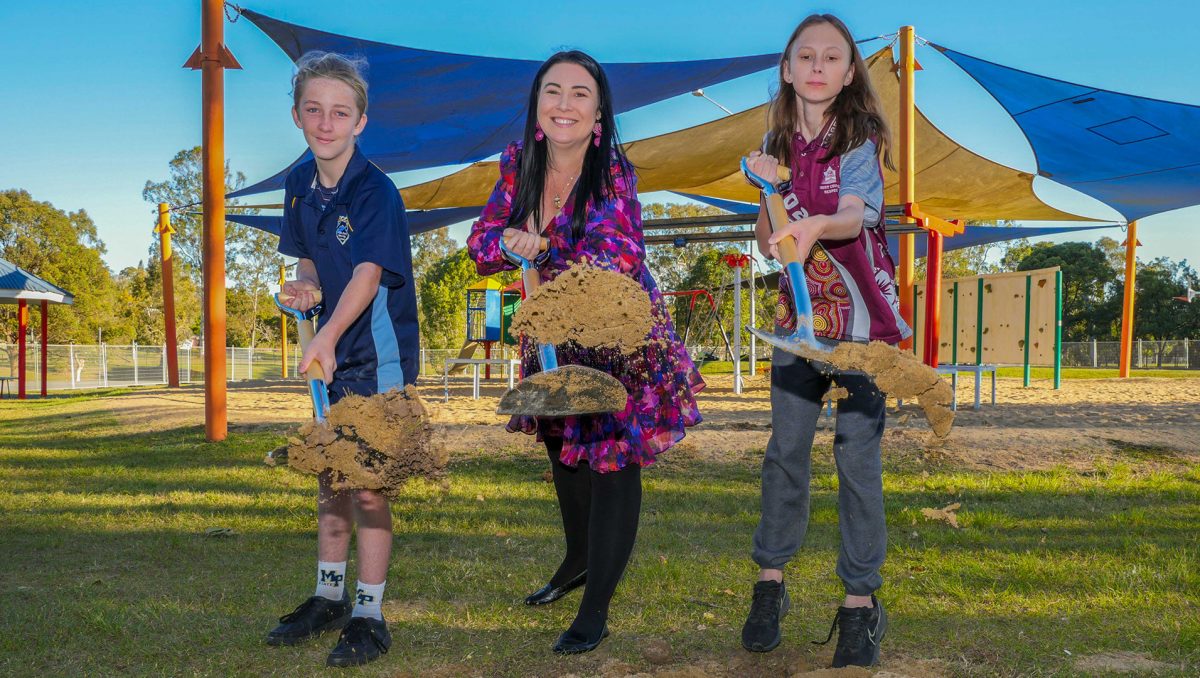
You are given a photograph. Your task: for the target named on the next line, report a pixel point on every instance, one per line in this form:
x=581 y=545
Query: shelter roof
x=430 y=109
x=17 y=284
x=952 y=182
x=1140 y=156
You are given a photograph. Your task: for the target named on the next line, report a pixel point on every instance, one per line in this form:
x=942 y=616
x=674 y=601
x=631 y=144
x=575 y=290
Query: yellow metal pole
x=283 y=337
x=907 y=146
x=164 y=231
x=1131 y=244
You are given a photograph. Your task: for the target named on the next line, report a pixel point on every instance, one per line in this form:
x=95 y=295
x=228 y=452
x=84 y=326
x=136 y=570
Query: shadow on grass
x=1044 y=562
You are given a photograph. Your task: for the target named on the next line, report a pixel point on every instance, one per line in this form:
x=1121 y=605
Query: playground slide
x=468 y=351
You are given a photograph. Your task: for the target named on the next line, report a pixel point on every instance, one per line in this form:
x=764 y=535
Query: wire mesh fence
x=81 y=366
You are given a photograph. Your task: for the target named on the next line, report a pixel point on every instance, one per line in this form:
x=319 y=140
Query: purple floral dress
x=662 y=380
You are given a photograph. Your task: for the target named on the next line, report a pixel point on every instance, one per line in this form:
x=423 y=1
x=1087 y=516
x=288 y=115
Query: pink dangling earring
x=596 y=131
x=539 y=134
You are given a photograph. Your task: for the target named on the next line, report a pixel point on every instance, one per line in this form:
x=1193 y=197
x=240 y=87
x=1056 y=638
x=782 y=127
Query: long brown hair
x=856 y=108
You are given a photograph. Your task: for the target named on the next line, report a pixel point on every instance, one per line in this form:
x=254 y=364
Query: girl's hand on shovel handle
x=806 y=231
x=524 y=243
x=763 y=165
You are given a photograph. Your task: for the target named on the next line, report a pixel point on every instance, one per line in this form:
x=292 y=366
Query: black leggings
x=600 y=520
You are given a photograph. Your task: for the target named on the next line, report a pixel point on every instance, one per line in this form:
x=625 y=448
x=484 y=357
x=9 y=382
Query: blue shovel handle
x=532 y=278
x=792 y=263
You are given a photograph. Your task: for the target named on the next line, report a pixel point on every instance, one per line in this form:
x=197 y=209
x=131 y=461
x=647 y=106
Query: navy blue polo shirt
x=364 y=222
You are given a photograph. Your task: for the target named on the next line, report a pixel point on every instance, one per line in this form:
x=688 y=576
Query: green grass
x=109 y=571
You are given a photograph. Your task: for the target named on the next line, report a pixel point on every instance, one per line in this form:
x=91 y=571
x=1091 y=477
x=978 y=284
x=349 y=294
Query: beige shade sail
x=951 y=182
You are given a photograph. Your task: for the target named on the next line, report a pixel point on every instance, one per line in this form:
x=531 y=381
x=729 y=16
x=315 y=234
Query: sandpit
x=375 y=443
x=594 y=307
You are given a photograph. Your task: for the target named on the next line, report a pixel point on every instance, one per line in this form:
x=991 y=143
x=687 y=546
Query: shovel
x=559 y=391
x=802 y=342
x=316 y=375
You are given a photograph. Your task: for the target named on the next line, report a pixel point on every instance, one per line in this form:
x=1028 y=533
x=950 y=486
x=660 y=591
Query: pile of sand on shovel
x=374 y=443
x=900 y=375
x=591 y=306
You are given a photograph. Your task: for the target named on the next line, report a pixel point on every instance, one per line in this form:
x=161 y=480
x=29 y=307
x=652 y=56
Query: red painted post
x=45 y=354
x=933 y=296
x=22 y=327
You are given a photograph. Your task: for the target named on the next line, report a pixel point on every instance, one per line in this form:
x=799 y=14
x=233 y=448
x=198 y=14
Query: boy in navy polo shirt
x=344 y=221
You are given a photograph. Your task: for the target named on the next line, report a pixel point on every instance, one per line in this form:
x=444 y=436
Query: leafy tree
x=1159 y=317
x=1086 y=280
x=670 y=265
x=251 y=259
x=184 y=188
x=64 y=249
x=443 y=300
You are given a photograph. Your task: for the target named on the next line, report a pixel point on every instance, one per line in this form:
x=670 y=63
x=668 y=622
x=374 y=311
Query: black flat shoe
x=569 y=643
x=548 y=594
x=312 y=618
x=363 y=640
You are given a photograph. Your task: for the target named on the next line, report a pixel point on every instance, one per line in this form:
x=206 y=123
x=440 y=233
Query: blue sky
x=98 y=101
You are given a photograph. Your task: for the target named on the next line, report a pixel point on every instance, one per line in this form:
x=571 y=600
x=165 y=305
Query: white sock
x=331 y=580
x=369 y=601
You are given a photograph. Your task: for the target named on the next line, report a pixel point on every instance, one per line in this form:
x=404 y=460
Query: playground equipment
x=713 y=317
x=984 y=325
x=484 y=318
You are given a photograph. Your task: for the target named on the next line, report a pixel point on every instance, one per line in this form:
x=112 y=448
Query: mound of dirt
x=374 y=443
x=898 y=374
x=591 y=306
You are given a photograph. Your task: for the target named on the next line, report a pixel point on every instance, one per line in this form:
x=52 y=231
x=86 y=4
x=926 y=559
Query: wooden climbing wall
x=1003 y=327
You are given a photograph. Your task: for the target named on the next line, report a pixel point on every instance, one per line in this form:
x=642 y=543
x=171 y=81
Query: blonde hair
x=857 y=110
x=318 y=64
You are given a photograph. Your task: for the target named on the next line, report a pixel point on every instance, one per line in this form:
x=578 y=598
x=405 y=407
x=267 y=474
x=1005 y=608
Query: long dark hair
x=857 y=109
x=595 y=182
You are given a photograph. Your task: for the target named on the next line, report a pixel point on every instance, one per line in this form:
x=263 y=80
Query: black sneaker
x=314 y=617
x=860 y=631
x=761 y=632
x=363 y=640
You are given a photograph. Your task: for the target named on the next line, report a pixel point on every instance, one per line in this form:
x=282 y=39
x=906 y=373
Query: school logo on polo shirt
x=829 y=177
x=343 y=229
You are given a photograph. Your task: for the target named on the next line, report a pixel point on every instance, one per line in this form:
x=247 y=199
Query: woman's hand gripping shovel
x=315 y=374
x=559 y=391
x=802 y=342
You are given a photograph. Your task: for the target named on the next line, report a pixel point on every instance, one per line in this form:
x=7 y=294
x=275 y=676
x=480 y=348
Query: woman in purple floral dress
x=567 y=181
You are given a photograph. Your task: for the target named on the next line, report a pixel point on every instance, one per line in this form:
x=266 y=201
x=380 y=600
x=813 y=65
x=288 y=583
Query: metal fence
x=78 y=366
x=74 y=366
x=1147 y=353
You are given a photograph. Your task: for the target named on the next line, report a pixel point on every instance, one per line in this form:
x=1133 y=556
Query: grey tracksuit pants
x=796 y=391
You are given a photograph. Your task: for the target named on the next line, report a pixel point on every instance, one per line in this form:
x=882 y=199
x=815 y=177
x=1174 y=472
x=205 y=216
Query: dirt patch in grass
x=1121 y=662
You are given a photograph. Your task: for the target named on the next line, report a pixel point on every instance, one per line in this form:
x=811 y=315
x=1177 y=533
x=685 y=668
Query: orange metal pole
x=1127 y=303
x=22 y=328
x=45 y=354
x=171 y=339
x=283 y=337
x=213 y=106
x=907 y=147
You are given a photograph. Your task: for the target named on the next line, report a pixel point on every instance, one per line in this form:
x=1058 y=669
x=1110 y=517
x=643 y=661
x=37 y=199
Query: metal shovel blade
x=797 y=343
x=565 y=391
